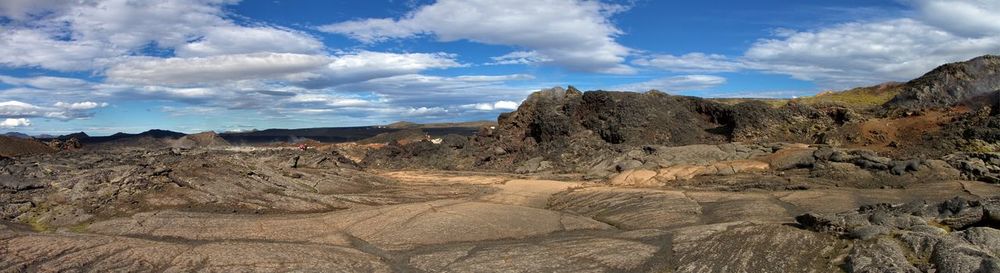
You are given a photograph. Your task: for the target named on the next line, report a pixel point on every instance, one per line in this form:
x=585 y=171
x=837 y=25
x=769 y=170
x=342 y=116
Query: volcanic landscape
x=898 y=177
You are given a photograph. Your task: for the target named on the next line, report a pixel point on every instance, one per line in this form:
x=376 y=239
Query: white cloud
x=970 y=18
x=329 y=100
x=366 y=65
x=46 y=82
x=34 y=48
x=499 y=105
x=25 y=9
x=373 y=30
x=574 y=34
x=865 y=53
x=675 y=84
x=520 y=57
x=19 y=109
x=151 y=70
x=862 y=52
x=425 y=111
x=60 y=111
x=86 y=105
x=15 y=122
x=505 y=105
x=237 y=39
x=92 y=35
x=691 y=62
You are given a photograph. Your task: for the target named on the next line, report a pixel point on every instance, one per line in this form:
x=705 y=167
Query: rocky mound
x=552 y=116
x=10 y=146
x=203 y=139
x=954 y=236
x=565 y=128
x=949 y=85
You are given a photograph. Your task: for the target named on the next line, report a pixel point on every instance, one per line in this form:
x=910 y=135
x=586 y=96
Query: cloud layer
x=574 y=34
x=861 y=52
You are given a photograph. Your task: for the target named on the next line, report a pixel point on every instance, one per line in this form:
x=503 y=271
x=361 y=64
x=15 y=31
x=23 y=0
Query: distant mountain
x=413 y=125
x=151 y=134
x=79 y=136
x=950 y=85
x=349 y=134
x=17 y=135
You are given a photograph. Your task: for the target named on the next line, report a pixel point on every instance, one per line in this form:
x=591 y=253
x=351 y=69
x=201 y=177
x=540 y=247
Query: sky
x=107 y=66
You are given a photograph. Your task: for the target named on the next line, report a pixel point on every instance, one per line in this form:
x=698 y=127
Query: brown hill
x=203 y=139
x=10 y=147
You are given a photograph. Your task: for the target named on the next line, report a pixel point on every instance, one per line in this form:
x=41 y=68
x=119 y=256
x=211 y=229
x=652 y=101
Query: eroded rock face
x=949 y=85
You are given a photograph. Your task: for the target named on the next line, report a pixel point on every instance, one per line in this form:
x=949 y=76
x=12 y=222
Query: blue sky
x=106 y=66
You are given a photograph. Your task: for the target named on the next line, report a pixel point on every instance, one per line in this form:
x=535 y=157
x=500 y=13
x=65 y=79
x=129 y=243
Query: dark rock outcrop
x=949 y=85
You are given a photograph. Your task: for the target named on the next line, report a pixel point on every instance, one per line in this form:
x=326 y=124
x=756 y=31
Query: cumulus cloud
x=851 y=53
x=519 y=57
x=35 y=48
x=15 y=122
x=416 y=89
x=19 y=109
x=691 y=62
x=968 y=18
x=46 y=82
x=59 y=111
x=87 y=105
x=91 y=35
x=675 y=84
x=238 y=39
x=499 y=105
x=25 y=9
x=862 y=52
x=366 y=65
x=574 y=34
x=152 y=70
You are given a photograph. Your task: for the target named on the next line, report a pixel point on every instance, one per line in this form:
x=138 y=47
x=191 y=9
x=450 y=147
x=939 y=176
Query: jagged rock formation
x=561 y=129
x=949 y=85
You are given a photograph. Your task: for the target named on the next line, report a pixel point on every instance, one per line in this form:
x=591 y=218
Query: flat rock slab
x=444 y=178
x=389 y=228
x=408 y=226
x=529 y=193
x=630 y=208
x=835 y=200
x=559 y=254
x=748 y=248
x=95 y=253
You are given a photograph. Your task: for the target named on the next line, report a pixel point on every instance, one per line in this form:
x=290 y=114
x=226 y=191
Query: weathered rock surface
x=915 y=237
x=949 y=84
x=745 y=247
